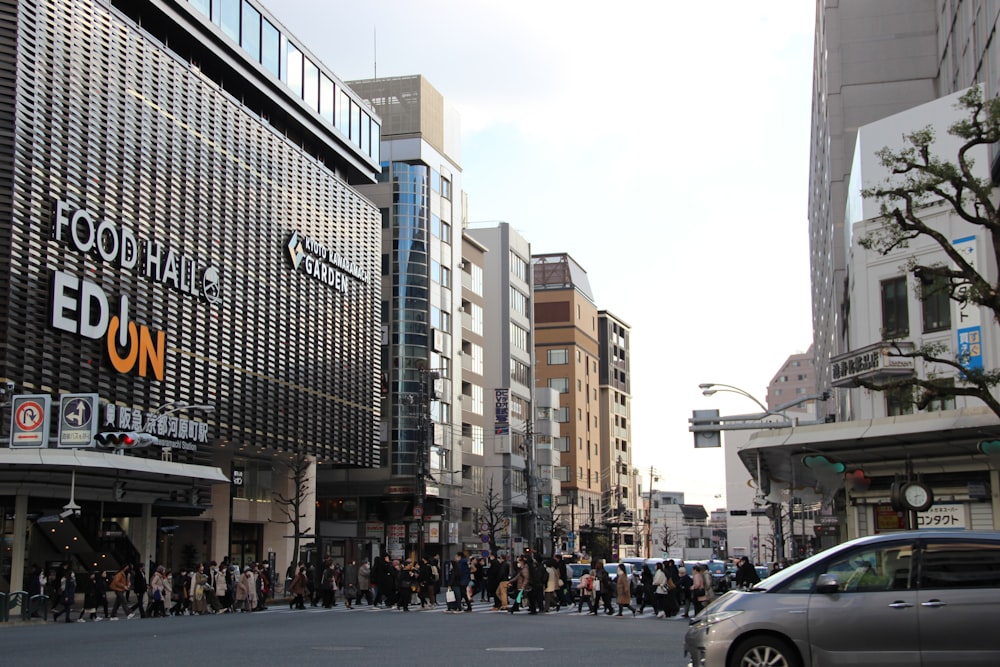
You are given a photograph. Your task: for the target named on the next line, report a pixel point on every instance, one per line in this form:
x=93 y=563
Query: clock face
x=917 y=496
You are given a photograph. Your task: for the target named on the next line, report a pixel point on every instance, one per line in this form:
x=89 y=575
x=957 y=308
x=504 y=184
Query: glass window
x=366 y=123
x=343 y=112
x=376 y=149
x=310 y=82
x=202 y=6
x=477 y=440
x=936 y=302
x=898 y=401
x=884 y=567
x=250 y=39
x=270 y=48
x=356 y=123
x=326 y=97
x=966 y=564
x=895 y=309
x=293 y=76
x=230 y=18
x=558 y=357
x=559 y=384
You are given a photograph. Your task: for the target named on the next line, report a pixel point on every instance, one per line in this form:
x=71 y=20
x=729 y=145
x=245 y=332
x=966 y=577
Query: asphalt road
x=317 y=636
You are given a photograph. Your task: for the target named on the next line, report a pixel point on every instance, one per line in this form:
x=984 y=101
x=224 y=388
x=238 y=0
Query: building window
x=518 y=337
x=477 y=440
x=559 y=384
x=561 y=415
x=898 y=401
x=942 y=403
x=558 y=357
x=520 y=372
x=936 y=302
x=518 y=302
x=895 y=309
x=518 y=267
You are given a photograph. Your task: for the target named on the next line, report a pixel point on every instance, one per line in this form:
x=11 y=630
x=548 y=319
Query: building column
x=20 y=542
x=148 y=536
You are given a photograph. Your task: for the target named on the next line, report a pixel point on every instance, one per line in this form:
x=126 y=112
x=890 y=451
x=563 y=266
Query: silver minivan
x=925 y=598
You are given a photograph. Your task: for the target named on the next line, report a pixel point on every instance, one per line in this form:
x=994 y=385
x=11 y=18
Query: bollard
x=36 y=603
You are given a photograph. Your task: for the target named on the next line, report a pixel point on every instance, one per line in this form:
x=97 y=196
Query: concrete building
x=619 y=479
x=568 y=352
x=518 y=459
x=882 y=69
x=186 y=259
x=678 y=530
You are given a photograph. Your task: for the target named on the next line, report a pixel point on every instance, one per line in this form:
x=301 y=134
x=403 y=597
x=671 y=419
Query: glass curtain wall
x=410 y=344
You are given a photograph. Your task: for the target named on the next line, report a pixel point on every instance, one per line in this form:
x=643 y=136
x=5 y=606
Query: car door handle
x=899 y=604
x=933 y=603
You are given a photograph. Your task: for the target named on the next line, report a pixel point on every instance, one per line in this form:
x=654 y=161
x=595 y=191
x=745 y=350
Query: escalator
x=78 y=539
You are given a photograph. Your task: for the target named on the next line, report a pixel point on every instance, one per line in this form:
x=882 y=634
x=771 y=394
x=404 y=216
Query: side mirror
x=827 y=584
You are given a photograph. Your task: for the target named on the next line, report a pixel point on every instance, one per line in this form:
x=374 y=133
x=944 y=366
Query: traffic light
x=124 y=439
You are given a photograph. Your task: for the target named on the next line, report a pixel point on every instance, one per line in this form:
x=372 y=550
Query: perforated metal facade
x=105 y=120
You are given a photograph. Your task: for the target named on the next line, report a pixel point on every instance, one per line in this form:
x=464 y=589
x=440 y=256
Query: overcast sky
x=664 y=146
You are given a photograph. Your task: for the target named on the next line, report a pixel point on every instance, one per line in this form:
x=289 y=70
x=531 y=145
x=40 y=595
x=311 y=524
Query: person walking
x=349 y=580
x=660 y=591
x=157 y=593
x=246 y=591
x=364 y=583
x=520 y=584
x=298 y=589
x=120 y=584
x=552 y=586
x=585 y=593
x=684 y=583
x=603 y=588
x=139 y=587
x=624 y=591
x=701 y=588
x=67 y=593
x=503 y=582
x=465 y=578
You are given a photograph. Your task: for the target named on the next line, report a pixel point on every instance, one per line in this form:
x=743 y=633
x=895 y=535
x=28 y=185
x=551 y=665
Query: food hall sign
x=82 y=307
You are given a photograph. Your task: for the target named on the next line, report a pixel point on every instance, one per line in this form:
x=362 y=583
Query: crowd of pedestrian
x=211 y=588
x=527 y=582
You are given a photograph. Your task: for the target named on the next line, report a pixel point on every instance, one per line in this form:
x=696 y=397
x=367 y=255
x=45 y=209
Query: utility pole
x=529 y=444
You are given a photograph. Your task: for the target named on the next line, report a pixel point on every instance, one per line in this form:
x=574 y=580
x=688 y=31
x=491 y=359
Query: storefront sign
x=945 y=515
x=374 y=529
x=324 y=265
x=871 y=361
x=969 y=323
x=81 y=306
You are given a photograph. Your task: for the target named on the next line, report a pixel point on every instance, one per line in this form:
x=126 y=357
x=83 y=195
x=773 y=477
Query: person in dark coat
x=746 y=574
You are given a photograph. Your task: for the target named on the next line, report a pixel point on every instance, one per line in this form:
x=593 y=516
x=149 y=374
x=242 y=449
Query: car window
x=874 y=568
x=960 y=565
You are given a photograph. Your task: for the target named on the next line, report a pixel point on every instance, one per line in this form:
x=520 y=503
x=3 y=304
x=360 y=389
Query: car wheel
x=764 y=652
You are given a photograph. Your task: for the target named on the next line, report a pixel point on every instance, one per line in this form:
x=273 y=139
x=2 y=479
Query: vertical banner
x=502 y=426
x=968 y=324
x=29 y=420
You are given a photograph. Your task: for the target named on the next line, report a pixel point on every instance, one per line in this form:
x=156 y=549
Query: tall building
x=871 y=60
x=619 y=480
x=518 y=459
x=184 y=257
x=881 y=70
x=406 y=504
x=568 y=353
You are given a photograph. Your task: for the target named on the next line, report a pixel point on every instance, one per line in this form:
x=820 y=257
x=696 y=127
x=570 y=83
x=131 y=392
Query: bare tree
x=920 y=179
x=292 y=506
x=555 y=524
x=492 y=516
x=668 y=539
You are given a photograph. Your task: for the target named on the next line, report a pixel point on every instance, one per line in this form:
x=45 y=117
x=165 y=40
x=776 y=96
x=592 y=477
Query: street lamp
x=710 y=388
